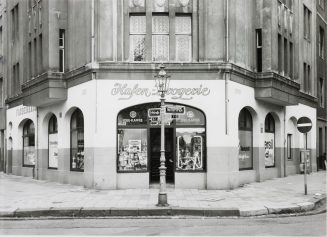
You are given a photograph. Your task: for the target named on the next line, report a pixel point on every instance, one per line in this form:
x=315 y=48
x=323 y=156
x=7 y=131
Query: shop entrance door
x=155 y=139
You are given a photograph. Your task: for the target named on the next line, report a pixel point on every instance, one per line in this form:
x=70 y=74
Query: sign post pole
x=304 y=125
x=305 y=167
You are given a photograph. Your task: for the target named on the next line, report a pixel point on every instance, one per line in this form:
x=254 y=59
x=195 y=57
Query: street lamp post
x=162 y=83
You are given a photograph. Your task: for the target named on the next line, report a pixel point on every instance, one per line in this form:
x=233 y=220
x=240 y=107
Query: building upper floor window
x=61 y=50
x=15 y=24
x=321 y=93
x=321 y=42
x=321 y=3
x=1 y=92
x=306 y=23
x=29 y=143
x=161 y=35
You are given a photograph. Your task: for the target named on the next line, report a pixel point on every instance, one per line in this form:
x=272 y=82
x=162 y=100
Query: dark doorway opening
x=155 y=144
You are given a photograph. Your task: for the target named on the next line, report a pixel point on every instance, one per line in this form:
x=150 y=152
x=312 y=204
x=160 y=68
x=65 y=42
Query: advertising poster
x=53 y=150
x=245 y=149
x=269 y=146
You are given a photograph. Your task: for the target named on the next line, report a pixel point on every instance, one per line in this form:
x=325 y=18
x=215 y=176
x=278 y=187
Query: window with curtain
x=160 y=38
x=137 y=33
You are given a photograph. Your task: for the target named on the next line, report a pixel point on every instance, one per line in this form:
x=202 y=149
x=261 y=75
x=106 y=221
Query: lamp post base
x=162 y=200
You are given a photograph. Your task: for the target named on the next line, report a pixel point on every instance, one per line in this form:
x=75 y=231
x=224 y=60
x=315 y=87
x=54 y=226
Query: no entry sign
x=304 y=124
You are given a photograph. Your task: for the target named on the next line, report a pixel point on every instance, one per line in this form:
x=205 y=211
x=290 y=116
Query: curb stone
x=254 y=212
x=163 y=211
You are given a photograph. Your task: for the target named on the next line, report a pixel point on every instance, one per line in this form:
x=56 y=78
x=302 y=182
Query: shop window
x=190 y=148
x=269 y=143
x=136 y=125
x=77 y=141
x=53 y=143
x=132 y=150
x=289 y=146
x=28 y=144
x=245 y=128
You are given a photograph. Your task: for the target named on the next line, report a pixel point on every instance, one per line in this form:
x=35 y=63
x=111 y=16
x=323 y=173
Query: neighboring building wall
x=321 y=76
x=3 y=82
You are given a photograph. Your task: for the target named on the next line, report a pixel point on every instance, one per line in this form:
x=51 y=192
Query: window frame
x=78 y=130
x=54 y=131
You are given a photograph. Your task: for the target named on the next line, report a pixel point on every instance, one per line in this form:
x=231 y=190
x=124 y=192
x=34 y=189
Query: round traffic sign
x=304 y=124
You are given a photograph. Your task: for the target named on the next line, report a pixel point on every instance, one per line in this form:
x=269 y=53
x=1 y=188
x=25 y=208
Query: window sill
x=29 y=166
x=76 y=170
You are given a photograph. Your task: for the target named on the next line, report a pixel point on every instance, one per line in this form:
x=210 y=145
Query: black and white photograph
x=163 y=117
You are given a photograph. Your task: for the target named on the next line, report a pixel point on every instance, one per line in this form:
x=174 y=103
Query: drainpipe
x=93 y=59
x=36 y=173
x=226 y=60
x=285 y=142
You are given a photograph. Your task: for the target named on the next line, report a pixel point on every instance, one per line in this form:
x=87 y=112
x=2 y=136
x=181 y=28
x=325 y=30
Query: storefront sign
x=25 y=110
x=175 y=109
x=269 y=149
x=154 y=112
x=245 y=149
x=125 y=91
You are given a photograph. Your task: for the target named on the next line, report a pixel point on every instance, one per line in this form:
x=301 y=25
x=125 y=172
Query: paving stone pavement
x=271 y=196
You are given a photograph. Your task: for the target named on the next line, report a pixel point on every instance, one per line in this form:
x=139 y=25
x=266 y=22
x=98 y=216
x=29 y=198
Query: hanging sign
x=175 y=109
x=154 y=112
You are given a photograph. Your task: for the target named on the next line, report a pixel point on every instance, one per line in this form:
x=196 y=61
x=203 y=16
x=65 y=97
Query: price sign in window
x=132 y=150
x=190 y=143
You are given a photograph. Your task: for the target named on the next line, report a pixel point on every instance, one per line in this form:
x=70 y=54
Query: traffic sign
x=154 y=112
x=304 y=124
x=175 y=109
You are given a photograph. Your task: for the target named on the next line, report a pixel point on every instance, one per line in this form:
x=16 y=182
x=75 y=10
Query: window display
x=132 y=150
x=190 y=143
x=29 y=144
x=77 y=141
x=245 y=146
x=53 y=143
x=245 y=149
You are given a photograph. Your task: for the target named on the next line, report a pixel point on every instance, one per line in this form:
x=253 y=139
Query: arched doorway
x=138 y=140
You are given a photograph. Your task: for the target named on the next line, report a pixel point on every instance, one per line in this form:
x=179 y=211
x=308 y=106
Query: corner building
x=82 y=99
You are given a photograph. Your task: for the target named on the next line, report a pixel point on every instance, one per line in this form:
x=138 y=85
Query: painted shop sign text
x=126 y=92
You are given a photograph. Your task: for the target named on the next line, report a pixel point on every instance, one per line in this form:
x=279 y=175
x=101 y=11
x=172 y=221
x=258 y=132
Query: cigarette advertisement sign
x=269 y=146
x=53 y=150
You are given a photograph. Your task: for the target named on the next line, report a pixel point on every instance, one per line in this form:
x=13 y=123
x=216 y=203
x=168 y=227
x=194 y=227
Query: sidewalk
x=25 y=197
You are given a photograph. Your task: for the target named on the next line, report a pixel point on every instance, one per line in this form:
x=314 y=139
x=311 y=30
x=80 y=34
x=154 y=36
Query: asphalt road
x=310 y=225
